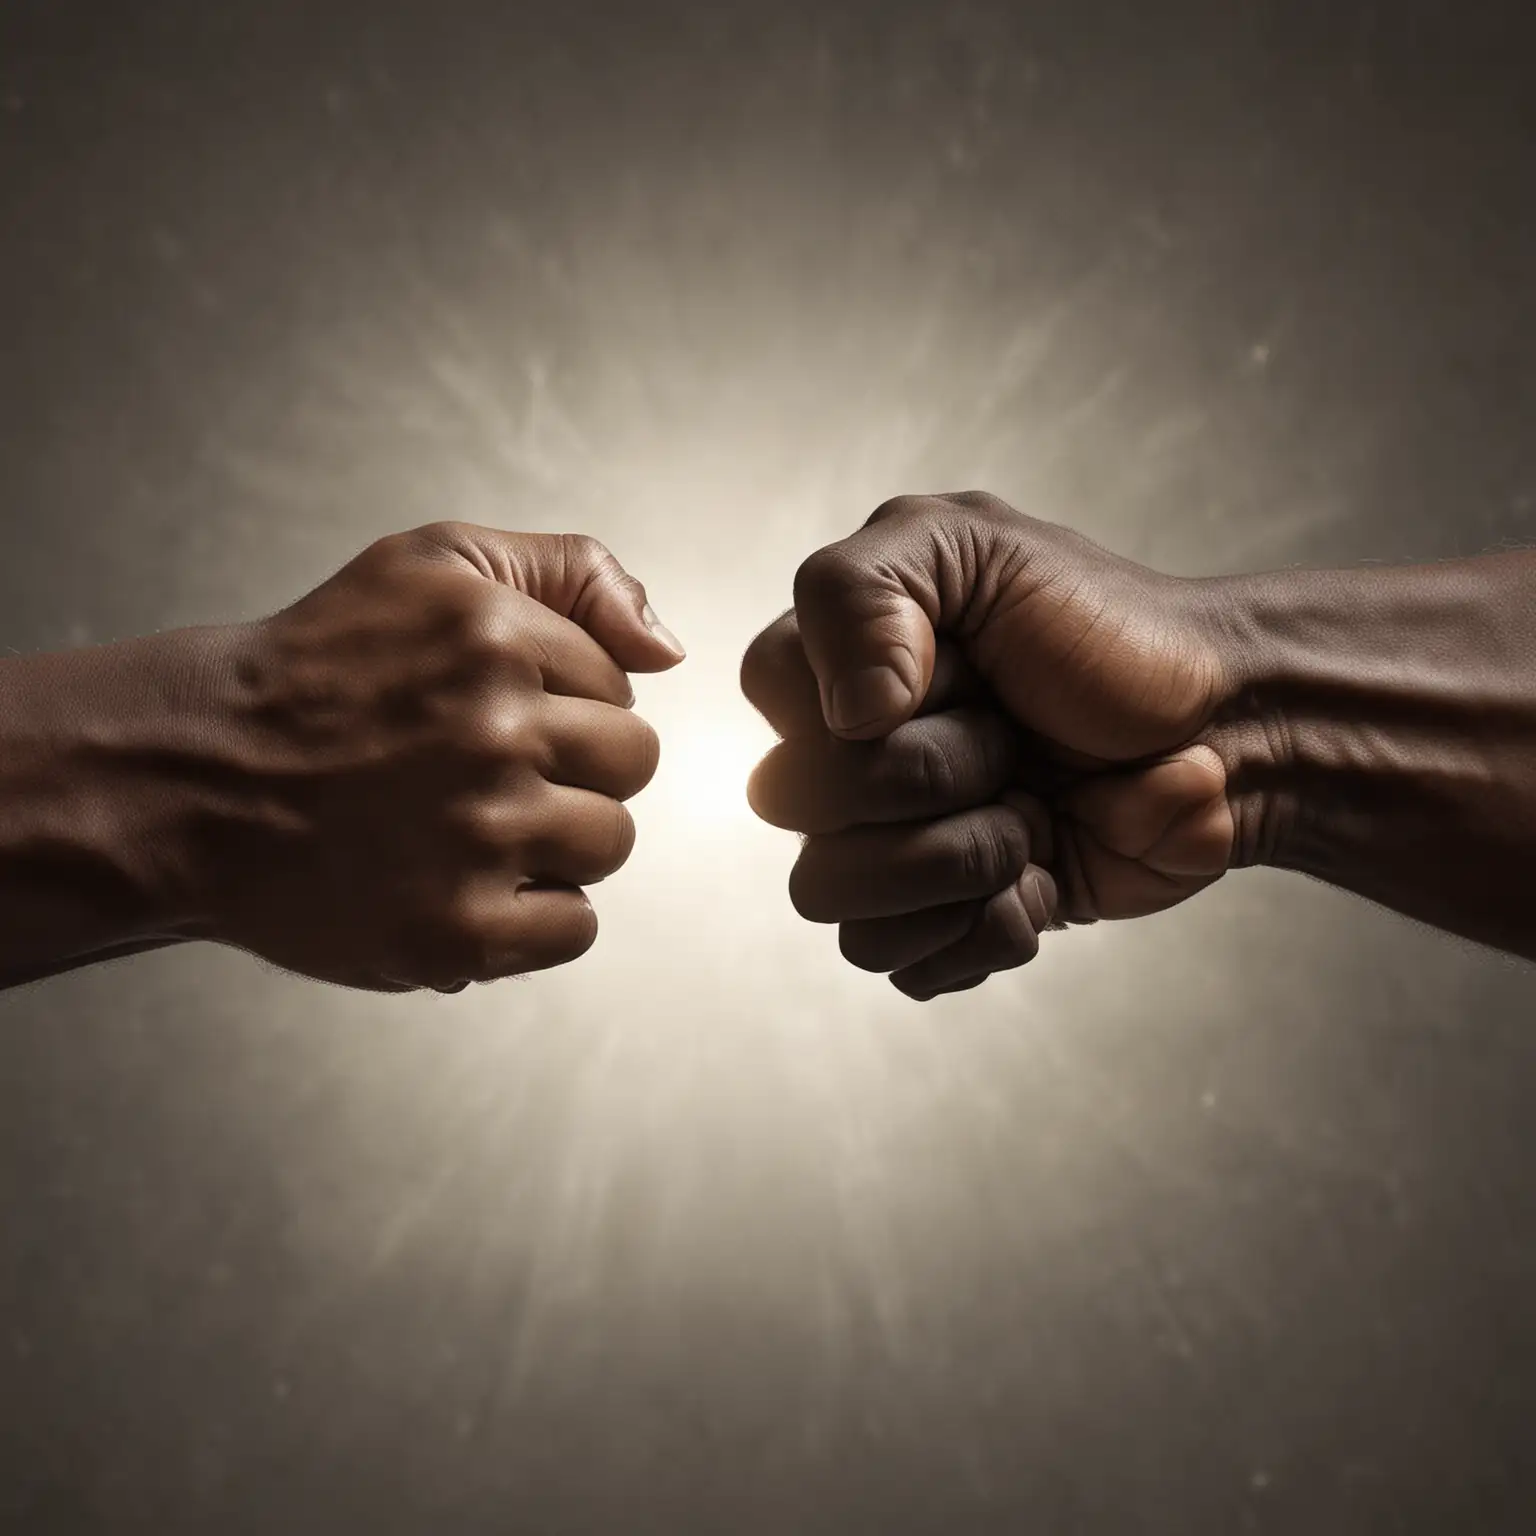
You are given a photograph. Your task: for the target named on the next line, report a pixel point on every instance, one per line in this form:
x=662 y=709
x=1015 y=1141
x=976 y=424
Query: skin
x=993 y=726
x=402 y=781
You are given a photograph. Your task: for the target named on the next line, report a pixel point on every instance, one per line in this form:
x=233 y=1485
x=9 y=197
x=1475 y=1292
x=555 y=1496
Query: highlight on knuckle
x=982 y=502
x=479 y=625
x=499 y=732
x=895 y=506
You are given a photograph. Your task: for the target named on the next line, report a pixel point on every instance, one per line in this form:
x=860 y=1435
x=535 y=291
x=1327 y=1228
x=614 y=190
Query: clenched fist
x=431 y=754
x=991 y=725
x=402 y=781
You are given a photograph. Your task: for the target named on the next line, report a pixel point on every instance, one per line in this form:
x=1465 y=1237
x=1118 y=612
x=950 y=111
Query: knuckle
x=433 y=542
x=977 y=853
x=393 y=546
x=501 y=732
x=590 y=567
x=983 y=502
x=478 y=824
x=895 y=506
x=441 y=531
x=478 y=622
x=824 y=574
x=582 y=552
x=934 y=768
x=592 y=572
x=994 y=850
x=470 y=624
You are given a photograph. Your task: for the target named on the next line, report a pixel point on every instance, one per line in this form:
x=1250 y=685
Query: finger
x=1004 y=936
x=598 y=747
x=931 y=766
x=581 y=837
x=498 y=934
x=890 y=943
x=552 y=833
x=883 y=871
x=778 y=681
x=1037 y=817
x=574 y=576
x=870 y=605
x=1174 y=816
x=1099 y=884
x=959 y=986
x=571 y=663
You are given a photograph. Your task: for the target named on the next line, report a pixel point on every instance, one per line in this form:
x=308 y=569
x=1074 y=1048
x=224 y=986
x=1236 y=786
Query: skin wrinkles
x=1165 y=729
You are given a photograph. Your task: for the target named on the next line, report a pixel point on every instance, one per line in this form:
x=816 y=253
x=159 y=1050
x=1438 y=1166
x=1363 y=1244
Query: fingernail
x=871 y=695
x=1038 y=890
x=661 y=632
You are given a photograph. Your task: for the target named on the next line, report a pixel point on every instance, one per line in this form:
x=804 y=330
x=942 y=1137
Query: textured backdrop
x=1218 y=1222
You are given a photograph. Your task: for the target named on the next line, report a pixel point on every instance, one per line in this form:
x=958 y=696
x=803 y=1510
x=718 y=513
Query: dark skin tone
x=402 y=781
x=993 y=726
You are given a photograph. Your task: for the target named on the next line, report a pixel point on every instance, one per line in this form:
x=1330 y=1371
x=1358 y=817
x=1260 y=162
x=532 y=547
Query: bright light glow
x=704 y=768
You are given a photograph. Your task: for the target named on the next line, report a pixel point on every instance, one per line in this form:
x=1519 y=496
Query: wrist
x=107 y=767
x=1297 y=655
x=1378 y=726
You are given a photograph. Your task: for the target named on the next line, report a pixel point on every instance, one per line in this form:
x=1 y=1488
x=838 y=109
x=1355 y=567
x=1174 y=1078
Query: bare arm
x=98 y=774
x=1380 y=734
x=404 y=780
x=1373 y=727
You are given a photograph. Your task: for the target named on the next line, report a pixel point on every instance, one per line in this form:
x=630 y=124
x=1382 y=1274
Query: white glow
x=704 y=768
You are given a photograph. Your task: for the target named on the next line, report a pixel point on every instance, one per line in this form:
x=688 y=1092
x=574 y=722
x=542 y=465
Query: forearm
x=1380 y=734
x=99 y=754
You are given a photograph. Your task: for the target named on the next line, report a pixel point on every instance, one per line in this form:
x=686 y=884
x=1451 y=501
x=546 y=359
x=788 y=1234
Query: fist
x=923 y=846
x=1047 y=708
x=425 y=761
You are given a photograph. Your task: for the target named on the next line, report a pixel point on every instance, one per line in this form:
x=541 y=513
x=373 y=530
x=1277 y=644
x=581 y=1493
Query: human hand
x=423 y=761
x=1107 y=675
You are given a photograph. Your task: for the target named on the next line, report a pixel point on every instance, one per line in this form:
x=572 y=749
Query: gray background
x=1218 y=1222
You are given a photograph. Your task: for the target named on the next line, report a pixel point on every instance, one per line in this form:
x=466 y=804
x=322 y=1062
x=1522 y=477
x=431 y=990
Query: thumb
x=867 y=608
x=575 y=576
x=590 y=587
x=1172 y=816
